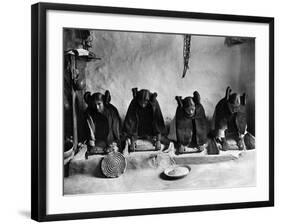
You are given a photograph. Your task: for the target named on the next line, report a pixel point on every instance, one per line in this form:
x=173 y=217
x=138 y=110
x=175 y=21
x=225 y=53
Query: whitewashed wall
x=155 y=62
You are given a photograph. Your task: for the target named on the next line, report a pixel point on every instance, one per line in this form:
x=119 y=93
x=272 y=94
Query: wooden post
x=73 y=56
x=74 y=115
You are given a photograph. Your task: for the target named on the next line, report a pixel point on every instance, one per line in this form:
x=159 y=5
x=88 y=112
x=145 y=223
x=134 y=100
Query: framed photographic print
x=139 y=111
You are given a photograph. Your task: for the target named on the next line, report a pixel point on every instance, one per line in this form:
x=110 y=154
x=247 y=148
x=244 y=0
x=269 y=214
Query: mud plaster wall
x=155 y=62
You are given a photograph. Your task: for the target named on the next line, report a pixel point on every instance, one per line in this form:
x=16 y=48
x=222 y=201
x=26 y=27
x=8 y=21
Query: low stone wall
x=146 y=160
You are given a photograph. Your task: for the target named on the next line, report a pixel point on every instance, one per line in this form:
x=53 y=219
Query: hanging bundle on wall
x=186 y=53
x=231 y=41
x=84 y=37
x=84 y=45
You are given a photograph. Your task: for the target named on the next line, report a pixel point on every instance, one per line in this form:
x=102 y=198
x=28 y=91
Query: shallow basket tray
x=113 y=165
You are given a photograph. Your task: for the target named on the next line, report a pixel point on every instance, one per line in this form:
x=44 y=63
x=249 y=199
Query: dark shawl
x=235 y=122
x=186 y=126
x=111 y=131
x=132 y=119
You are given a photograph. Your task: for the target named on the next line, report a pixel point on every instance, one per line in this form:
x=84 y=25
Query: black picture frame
x=39 y=122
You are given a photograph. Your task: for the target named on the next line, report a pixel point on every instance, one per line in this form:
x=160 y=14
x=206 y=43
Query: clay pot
x=249 y=141
x=68 y=148
x=79 y=84
x=68 y=153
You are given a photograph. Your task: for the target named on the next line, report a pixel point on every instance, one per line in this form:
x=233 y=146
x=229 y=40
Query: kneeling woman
x=189 y=127
x=144 y=121
x=103 y=124
x=230 y=120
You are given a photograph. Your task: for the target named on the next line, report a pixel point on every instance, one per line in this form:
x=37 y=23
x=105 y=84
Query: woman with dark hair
x=144 y=120
x=230 y=123
x=189 y=129
x=103 y=124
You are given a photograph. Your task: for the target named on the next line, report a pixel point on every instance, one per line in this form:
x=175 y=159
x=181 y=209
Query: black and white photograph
x=141 y=111
x=154 y=112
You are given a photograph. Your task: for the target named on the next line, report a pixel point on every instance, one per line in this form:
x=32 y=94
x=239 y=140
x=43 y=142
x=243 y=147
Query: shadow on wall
x=155 y=62
x=247 y=80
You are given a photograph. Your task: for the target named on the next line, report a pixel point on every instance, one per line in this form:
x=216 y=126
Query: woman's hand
x=132 y=144
x=241 y=144
x=112 y=148
x=181 y=149
x=158 y=145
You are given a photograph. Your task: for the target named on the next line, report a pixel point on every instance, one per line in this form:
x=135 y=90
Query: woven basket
x=113 y=165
